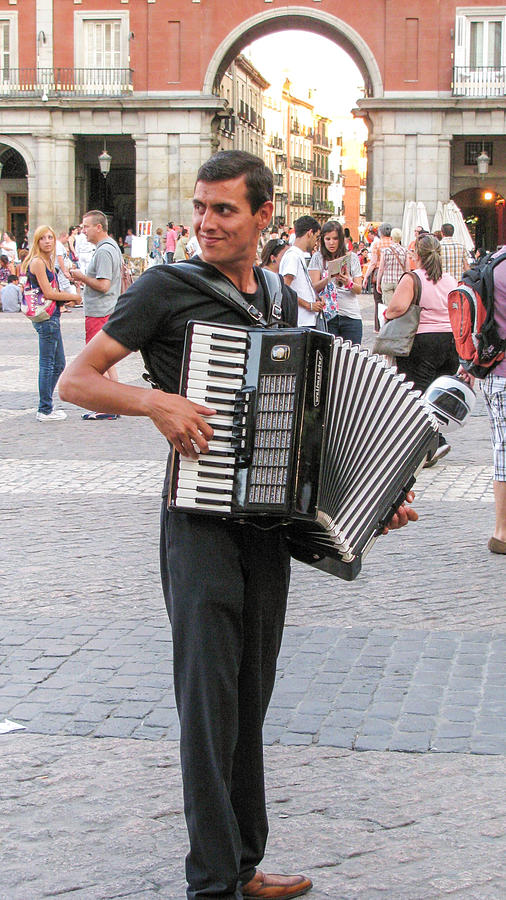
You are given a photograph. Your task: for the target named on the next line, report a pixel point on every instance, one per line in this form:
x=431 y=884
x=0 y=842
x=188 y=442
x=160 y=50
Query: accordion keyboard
x=217 y=363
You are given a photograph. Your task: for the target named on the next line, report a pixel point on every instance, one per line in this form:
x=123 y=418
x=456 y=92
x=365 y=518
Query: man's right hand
x=318 y=306
x=181 y=422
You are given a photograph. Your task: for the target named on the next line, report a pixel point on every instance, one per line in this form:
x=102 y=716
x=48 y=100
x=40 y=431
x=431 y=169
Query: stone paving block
x=412 y=742
x=372 y=726
x=15 y=689
x=491 y=725
x=137 y=709
x=458 y=713
x=496 y=746
x=415 y=723
x=92 y=711
x=384 y=710
x=272 y=733
x=279 y=716
x=420 y=706
x=161 y=717
x=291 y=738
x=49 y=723
x=149 y=733
x=451 y=744
x=121 y=728
x=337 y=737
x=305 y=724
x=372 y=742
x=445 y=729
x=26 y=711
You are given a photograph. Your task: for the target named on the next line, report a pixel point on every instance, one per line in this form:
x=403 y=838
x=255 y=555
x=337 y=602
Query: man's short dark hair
x=304 y=224
x=228 y=164
x=12 y=278
x=99 y=218
x=447 y=229
x=385 y=229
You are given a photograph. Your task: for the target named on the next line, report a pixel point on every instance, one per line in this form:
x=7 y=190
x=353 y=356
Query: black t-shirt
x=151 y=316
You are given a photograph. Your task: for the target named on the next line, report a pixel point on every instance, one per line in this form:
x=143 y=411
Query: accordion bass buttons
x=243 y=425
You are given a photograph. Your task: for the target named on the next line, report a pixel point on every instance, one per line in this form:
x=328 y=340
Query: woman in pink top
x=433 y=352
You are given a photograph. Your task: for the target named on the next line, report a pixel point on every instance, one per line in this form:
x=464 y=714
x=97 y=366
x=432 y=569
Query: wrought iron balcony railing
x=479 y=81
x=65 y=82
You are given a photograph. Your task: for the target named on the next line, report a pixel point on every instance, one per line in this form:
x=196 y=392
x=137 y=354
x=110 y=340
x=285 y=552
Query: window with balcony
x=101 y=53
x=480 y=59
x=8 y=44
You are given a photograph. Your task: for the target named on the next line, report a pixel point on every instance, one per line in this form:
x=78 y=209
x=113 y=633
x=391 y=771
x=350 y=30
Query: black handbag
x=396 y=336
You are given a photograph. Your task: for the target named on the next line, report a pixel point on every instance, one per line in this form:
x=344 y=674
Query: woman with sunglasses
x=272 y=253
x=340 y=292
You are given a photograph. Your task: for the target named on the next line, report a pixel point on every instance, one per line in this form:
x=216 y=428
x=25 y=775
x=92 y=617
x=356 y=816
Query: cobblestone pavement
x=408 y=658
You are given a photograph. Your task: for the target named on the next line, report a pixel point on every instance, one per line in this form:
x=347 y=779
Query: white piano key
x=191 y=503
x=204 y=329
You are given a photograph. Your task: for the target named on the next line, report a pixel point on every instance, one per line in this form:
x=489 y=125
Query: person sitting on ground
x=10 y=295
x=6 y=269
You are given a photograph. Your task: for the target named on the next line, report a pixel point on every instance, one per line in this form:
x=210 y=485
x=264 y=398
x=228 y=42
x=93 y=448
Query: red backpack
x=471 y=310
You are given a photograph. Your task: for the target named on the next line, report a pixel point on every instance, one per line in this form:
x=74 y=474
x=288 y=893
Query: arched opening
x=484 y=213
x=13 y=192
x=308 y=136
x=315 y=21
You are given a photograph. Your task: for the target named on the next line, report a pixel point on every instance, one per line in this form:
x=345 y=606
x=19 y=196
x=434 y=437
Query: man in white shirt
x=84 y=250
x=294 y=271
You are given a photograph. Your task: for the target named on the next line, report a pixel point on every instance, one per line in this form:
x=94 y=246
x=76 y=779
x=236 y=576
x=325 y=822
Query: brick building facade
x=143 y=76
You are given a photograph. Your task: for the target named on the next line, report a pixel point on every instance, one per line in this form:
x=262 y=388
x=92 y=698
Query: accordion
x=310 y=432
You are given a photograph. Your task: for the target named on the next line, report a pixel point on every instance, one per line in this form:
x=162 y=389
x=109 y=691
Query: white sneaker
x=57 y=415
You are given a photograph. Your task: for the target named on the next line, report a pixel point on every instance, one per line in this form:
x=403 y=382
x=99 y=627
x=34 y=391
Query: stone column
x=64 y=182
x=141 y=177
x=42 y=194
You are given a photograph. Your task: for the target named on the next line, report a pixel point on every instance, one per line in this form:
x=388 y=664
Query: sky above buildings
x=310 y=62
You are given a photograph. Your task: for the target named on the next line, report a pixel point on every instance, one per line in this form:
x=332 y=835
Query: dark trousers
x=432 y=354
x=225 y=588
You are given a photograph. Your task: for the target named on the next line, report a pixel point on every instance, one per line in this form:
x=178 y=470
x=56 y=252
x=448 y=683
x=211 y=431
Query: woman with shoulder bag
x=433 y=352
x=39 y=266
x=340 y=292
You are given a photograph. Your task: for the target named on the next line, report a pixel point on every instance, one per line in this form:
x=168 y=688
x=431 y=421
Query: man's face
x=225 y=227
x=312 y=240
x=93 y=230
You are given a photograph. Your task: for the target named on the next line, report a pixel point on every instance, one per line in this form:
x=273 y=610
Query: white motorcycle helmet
x=451 y=400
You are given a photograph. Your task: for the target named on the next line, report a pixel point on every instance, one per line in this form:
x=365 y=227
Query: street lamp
x=104 y=161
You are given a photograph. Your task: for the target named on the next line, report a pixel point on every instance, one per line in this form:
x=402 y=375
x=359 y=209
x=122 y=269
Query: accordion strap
x=212 y=283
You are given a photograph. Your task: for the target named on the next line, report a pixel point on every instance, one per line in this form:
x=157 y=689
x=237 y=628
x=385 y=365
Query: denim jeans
x=51 y=359
x=347 y=328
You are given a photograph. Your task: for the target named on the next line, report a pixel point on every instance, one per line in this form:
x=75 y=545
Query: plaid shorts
x=494 y=391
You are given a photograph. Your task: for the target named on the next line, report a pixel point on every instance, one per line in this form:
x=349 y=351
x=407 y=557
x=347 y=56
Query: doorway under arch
x=484 y=213
x=13 y=192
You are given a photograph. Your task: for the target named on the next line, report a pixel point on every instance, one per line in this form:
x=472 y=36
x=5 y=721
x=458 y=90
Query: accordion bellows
x=310 y=431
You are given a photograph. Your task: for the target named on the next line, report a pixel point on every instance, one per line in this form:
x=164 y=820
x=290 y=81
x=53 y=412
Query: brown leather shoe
x=276 y=887
x=496 y=546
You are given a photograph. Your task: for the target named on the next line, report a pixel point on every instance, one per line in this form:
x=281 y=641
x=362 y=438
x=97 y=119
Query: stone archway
x=294 y=17
x=483 y=209
x=15 y=164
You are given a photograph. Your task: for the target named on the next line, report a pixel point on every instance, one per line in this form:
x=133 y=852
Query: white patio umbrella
x=414 y=214
x=438 y=217
x=408 y=222
x=452 y=214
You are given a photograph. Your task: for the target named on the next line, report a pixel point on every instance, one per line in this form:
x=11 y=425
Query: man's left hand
x=403 y=515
